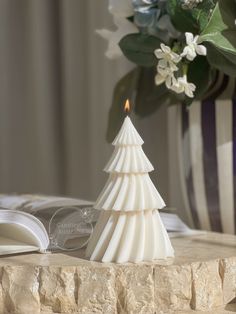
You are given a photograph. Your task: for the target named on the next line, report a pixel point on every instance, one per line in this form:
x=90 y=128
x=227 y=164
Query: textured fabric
x=55 y=91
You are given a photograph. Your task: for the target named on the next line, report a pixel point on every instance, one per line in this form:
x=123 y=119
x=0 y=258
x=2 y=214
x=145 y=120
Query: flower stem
x=185 y=68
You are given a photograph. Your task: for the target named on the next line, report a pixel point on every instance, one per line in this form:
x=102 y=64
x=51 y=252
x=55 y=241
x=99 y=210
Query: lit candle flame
x=127 y=106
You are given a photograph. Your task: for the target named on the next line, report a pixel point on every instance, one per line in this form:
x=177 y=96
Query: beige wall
x=55 y=92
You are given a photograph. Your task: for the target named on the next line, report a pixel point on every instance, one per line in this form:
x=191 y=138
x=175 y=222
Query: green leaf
x=225 y=41
x=219 y=61
x=150 y=97
x=201 y=78
x=193 y=20
x=124 y=89
x=202 y=13
x=139 y=86
x=139 y=48
x=221 y=29
x=181 y=19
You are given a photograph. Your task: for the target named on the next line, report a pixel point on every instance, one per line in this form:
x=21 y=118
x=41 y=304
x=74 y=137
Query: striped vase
x=207 y=158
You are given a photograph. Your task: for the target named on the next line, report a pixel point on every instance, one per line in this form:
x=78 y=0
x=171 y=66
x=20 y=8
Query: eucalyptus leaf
x=219 y=61
x=225 y=40
x=124 y=89
x=193 y=20
x=221 y=29
x=199 y=77
x=139 y=48
x=181 y=19
x=150 y=97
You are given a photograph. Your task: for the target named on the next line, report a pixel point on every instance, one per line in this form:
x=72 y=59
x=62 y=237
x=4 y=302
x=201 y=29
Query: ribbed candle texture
x=129 y=228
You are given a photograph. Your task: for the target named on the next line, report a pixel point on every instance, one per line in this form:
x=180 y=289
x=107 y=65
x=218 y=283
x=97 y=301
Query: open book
x=39 y=223
x=46 y=223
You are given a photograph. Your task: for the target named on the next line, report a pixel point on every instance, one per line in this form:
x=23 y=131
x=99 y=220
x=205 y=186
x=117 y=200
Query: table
x=201 y=278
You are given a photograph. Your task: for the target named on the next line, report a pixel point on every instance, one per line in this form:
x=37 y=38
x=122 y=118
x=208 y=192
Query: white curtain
x=55 y=91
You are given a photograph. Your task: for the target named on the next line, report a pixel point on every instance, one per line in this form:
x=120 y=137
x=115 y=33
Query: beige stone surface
x=173 y=287
x=202 y=277
x=18 y=285
x=207 y=290
x=58 y=289
x=229 y=309
x=96 y=289
x=135 y=289
x=228 y=275
x=1 y=293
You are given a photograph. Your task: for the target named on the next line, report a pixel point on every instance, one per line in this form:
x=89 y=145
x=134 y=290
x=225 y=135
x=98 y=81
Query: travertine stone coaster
x=201 y=278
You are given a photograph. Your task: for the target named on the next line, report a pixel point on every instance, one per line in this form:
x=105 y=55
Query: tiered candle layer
x=129 y=228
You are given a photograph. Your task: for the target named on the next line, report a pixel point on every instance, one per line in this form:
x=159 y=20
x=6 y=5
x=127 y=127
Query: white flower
x=122 y=8
x=190 y=4
x=124 y=27
x=166 y=65
x=182 y=86
x=165 y=75
x=192 y=48
x=167 y=57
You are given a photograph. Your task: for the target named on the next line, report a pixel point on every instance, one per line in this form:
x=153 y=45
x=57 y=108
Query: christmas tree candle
x=129 y=228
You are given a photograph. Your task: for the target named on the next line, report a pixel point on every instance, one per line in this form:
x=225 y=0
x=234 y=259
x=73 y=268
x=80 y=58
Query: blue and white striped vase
x=207 y=158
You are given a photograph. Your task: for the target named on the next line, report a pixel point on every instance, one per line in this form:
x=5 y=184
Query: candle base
x=122 y=237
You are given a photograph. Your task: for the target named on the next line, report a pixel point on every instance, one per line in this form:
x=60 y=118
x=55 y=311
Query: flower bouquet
x=177 y=45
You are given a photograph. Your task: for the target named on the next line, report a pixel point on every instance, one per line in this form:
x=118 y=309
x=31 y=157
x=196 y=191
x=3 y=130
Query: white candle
x=129 y=228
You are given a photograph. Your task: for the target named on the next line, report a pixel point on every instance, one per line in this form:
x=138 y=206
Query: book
x=39 y=223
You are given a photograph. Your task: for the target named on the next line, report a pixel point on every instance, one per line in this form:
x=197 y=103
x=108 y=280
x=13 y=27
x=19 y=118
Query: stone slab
x=202 y=278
